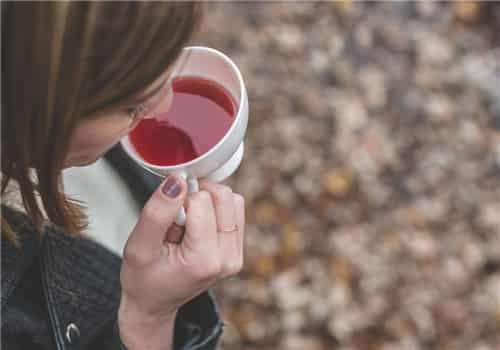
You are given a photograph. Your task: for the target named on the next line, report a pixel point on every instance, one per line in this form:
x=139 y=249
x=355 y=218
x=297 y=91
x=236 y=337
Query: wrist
x=144 y=330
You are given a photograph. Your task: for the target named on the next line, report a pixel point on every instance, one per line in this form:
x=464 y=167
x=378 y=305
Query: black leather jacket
x=62 y=292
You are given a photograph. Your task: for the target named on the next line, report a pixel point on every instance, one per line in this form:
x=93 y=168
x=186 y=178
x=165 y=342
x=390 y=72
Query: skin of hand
x=164 y=266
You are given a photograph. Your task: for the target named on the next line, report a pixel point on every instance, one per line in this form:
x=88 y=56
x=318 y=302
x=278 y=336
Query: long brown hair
x=63 y=62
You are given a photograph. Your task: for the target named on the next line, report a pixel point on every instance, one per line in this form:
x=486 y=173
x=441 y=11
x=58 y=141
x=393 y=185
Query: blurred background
x=372 y=175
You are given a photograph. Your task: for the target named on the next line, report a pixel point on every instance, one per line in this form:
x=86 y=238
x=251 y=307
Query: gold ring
x=229 y=230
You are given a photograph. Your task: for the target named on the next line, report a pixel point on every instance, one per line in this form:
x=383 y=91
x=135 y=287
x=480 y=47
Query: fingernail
x=171 y=187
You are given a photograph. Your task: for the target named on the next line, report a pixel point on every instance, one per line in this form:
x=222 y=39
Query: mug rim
x=226 y=135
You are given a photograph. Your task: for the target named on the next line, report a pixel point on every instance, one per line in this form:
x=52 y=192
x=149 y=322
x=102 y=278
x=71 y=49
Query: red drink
x=202 y=112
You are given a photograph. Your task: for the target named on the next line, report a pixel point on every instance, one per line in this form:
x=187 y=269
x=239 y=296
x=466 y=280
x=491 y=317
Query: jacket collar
x=16 y=260
x=81 y=284
x=80 y=279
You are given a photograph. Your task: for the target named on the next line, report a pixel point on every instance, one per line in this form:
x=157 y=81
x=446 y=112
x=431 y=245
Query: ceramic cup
x=224 y=158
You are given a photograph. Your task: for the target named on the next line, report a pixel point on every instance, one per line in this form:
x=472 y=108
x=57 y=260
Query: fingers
x=235 y=263
x=146 y=240
x=201 y=224
x=227 y=204
x=210 y=246
x=240 y=218
x=222 y=197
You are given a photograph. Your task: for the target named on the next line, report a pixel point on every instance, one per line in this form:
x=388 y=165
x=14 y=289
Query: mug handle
x=192 y=186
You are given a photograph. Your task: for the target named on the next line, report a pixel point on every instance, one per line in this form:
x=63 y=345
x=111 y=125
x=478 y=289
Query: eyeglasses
x=137 y=113
x=159 y=103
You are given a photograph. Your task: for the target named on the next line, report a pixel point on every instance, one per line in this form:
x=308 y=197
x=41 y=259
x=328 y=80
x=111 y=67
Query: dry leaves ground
x=372 y=175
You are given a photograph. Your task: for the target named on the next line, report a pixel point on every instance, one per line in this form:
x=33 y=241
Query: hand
x=158 y=276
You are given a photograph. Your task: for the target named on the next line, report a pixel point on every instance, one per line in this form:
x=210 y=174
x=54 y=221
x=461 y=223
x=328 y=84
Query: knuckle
x=209 y=270
x=214 y=269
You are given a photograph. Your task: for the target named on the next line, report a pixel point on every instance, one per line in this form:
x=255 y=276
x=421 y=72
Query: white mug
x=224 y=158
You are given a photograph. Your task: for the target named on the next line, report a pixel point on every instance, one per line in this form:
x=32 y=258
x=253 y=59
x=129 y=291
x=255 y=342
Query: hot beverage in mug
x=201 y=113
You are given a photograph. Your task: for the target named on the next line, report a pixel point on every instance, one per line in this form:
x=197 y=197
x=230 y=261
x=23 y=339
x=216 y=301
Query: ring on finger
x=229 y=230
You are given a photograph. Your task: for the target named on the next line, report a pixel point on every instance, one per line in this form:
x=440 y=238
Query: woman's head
x=74 y=77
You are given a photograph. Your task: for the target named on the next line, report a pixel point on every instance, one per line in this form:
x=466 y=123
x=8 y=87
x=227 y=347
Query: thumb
x=158 y=215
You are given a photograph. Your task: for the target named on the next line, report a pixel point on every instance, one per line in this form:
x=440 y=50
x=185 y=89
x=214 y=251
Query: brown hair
x=63 y=62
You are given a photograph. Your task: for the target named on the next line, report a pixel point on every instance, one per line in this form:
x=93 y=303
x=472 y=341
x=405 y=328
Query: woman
x=76 y=77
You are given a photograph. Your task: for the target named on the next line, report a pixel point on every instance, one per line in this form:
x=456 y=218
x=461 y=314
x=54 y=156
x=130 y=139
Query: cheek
x=94 y=137
x=101 y=136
